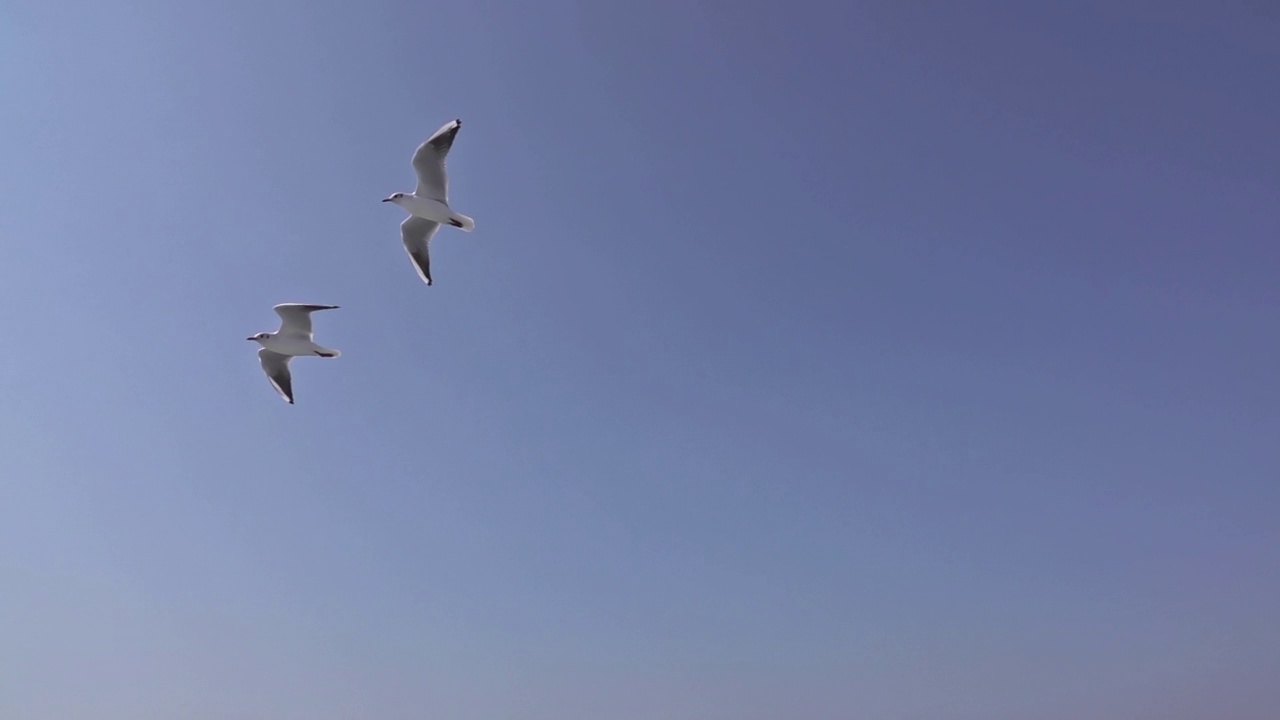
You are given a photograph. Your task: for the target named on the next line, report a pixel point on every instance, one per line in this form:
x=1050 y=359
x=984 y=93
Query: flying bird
x=293 y=339
x=428 y=205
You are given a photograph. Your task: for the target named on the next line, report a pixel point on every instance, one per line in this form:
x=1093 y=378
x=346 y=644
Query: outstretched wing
x=416 y=233
x=429 y=165
x=295 y=318
x=276 y=366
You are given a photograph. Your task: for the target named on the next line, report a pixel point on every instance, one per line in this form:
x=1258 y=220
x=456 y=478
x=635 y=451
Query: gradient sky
x=882 y=360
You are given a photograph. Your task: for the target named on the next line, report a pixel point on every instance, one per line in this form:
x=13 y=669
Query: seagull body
x=428 y=205
x=293 y=339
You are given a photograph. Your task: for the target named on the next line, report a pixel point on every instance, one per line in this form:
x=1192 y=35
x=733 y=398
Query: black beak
x=386 y=199
x=249 y=338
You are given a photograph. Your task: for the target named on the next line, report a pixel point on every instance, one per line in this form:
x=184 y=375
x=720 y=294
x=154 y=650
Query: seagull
x=428 y=206
x=293 y=339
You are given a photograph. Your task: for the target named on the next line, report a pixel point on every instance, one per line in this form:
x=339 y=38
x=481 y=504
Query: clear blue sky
x=891 y=360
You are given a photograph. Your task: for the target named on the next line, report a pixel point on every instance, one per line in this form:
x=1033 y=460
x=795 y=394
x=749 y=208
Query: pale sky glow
x=877 y=360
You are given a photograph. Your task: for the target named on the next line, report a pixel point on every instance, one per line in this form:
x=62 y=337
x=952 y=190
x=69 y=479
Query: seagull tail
x=328 y=352
x=464 y=222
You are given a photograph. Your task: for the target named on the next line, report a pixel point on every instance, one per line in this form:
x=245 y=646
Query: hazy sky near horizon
x=878 y=360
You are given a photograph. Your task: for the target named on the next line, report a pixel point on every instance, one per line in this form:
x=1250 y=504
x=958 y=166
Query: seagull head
x=259 y=337
x=394 y=198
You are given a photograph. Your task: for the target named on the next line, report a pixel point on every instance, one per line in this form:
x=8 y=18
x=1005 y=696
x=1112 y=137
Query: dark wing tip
x=444 y=140
x=421 y=259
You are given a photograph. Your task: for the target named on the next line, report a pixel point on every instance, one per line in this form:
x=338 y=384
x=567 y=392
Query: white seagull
x=293 y=339
x=428 y=206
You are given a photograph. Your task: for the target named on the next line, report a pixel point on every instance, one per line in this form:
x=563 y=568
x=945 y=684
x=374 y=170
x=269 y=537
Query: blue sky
x=880 y=360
